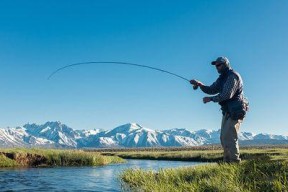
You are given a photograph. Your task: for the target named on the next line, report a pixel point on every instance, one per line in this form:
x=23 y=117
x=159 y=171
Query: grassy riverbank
x=263 y=169
x=206 y=154
x=53 y=157
x=251 y=175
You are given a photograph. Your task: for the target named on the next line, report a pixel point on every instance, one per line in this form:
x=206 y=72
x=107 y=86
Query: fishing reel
x=195 y=83
x=195 y=87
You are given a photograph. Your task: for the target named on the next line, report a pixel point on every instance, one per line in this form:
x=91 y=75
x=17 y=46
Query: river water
x=101 y=178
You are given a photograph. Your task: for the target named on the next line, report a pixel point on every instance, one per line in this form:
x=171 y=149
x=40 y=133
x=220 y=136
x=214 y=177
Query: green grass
x=212 y=155
x=263 y=169
x=52 y=157
x=172 y=155
x=251 y=175
x=6 y=162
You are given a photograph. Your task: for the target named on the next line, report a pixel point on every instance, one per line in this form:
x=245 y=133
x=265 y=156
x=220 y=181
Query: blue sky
x=37 y=37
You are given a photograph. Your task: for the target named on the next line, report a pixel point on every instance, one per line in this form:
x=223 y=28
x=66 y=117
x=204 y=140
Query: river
x=101 y=178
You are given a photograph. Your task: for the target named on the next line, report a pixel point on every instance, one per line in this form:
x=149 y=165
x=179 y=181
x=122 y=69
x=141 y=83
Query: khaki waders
x=229 y=138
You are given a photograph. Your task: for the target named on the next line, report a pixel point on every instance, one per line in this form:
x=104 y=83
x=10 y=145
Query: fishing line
x=116 y=63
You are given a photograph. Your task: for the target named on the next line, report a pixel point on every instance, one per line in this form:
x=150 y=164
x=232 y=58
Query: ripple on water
x=103 y=178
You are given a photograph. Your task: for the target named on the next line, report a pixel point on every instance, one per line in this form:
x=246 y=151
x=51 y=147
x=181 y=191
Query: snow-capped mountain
x=56 y=134
x=54 y=131
x=18 y=137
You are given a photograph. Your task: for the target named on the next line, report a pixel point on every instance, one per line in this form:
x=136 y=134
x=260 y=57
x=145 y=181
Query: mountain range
x=57 y=135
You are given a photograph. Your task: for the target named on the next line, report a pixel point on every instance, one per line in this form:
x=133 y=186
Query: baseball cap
x=221 y=60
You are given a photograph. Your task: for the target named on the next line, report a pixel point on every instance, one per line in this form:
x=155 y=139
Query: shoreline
x=264 y=169
x=35 y=157
x=24 y=157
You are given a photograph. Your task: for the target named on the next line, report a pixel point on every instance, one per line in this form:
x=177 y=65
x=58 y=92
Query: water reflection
x=103 y=178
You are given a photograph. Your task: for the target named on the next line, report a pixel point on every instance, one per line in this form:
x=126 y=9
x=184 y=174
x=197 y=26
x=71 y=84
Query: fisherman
x=228 y=92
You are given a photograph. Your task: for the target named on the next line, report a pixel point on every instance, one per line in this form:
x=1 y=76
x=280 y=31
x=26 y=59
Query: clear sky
x=37 y=37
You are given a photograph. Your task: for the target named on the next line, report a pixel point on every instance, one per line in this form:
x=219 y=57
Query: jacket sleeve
x=212 y=89
x=229 y=89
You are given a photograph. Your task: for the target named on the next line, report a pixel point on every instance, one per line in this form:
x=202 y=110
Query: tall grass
x=214 y=155
x=263 y=169
x=6 y=162
x=260 y=175
x=53 y=157
x=211 y=156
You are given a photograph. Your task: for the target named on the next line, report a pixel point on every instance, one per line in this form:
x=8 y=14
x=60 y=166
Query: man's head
x=221 y=64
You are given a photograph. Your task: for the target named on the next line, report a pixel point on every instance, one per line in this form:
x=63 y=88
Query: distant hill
x=58 y=135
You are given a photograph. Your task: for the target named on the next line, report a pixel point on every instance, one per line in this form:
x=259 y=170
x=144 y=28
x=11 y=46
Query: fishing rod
x=118 y=63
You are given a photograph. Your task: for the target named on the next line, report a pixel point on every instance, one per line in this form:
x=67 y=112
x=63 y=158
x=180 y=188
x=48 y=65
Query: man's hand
x=196 y=82
x=207 y=99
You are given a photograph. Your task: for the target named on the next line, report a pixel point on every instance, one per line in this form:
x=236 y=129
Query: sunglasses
x=218 y=65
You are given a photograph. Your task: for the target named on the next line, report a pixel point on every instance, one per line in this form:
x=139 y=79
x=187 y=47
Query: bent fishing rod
x=118 y=63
